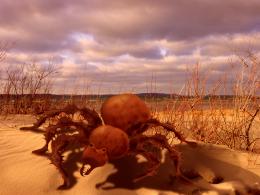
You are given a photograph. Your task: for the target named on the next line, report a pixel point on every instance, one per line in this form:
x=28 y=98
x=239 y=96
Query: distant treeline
x=146 y=96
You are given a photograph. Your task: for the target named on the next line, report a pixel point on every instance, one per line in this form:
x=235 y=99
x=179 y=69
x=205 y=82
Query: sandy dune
x=25 y=173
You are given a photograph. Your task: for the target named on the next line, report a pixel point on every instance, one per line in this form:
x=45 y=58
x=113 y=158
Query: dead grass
x=205 y=116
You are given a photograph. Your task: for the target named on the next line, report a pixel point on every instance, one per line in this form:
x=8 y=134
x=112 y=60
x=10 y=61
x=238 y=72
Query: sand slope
x=24 y=173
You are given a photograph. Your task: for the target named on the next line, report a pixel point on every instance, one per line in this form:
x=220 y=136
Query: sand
x=22 y=172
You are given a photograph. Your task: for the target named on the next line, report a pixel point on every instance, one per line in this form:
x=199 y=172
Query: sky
x=115 y=46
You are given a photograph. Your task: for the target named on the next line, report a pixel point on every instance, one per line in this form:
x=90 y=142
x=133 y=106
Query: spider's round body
x=124 y=111
x=113 y=139
x=106 y=143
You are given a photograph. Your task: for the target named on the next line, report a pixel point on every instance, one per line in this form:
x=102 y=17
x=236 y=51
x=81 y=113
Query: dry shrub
x=206 y=116
x=26 y=88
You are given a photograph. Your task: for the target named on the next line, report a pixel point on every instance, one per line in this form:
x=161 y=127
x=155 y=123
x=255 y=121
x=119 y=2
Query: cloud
x=120 y=43
x=50 y=23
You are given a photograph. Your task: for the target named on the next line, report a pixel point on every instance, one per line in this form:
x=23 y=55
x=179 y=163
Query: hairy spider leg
x=153 y=161
x=69 y=109
x=90 y=115
x=175 y=155
x=62 y=127
x=141 y=128
x=161 y=142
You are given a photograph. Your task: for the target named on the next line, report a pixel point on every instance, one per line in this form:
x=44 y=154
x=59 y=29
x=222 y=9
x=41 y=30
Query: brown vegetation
x=227 y=121
x=26 y=87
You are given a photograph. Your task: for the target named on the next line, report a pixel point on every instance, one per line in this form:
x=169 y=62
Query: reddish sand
x=24 y=173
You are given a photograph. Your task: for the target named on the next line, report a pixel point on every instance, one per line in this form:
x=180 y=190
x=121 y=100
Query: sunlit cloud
x=112 y=46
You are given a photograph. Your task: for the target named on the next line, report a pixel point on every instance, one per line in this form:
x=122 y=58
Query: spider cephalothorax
x=126 y=119
x=106 y=142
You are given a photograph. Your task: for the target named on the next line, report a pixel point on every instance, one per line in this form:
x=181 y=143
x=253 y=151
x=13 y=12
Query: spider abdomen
x=124 y=110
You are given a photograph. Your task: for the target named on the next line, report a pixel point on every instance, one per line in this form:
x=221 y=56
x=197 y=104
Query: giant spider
x=126 y=118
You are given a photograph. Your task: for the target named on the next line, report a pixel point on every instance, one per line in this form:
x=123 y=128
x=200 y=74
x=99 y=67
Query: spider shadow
x=128 y=167
x=34 y=130
x=70 y=165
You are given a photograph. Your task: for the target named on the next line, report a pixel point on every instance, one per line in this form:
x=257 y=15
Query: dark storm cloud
x=153 y=53
x=128 y=41
x=49 y=23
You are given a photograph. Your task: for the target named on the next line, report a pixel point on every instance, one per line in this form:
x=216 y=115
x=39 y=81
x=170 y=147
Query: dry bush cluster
x=25 y=88
x=230 y=120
